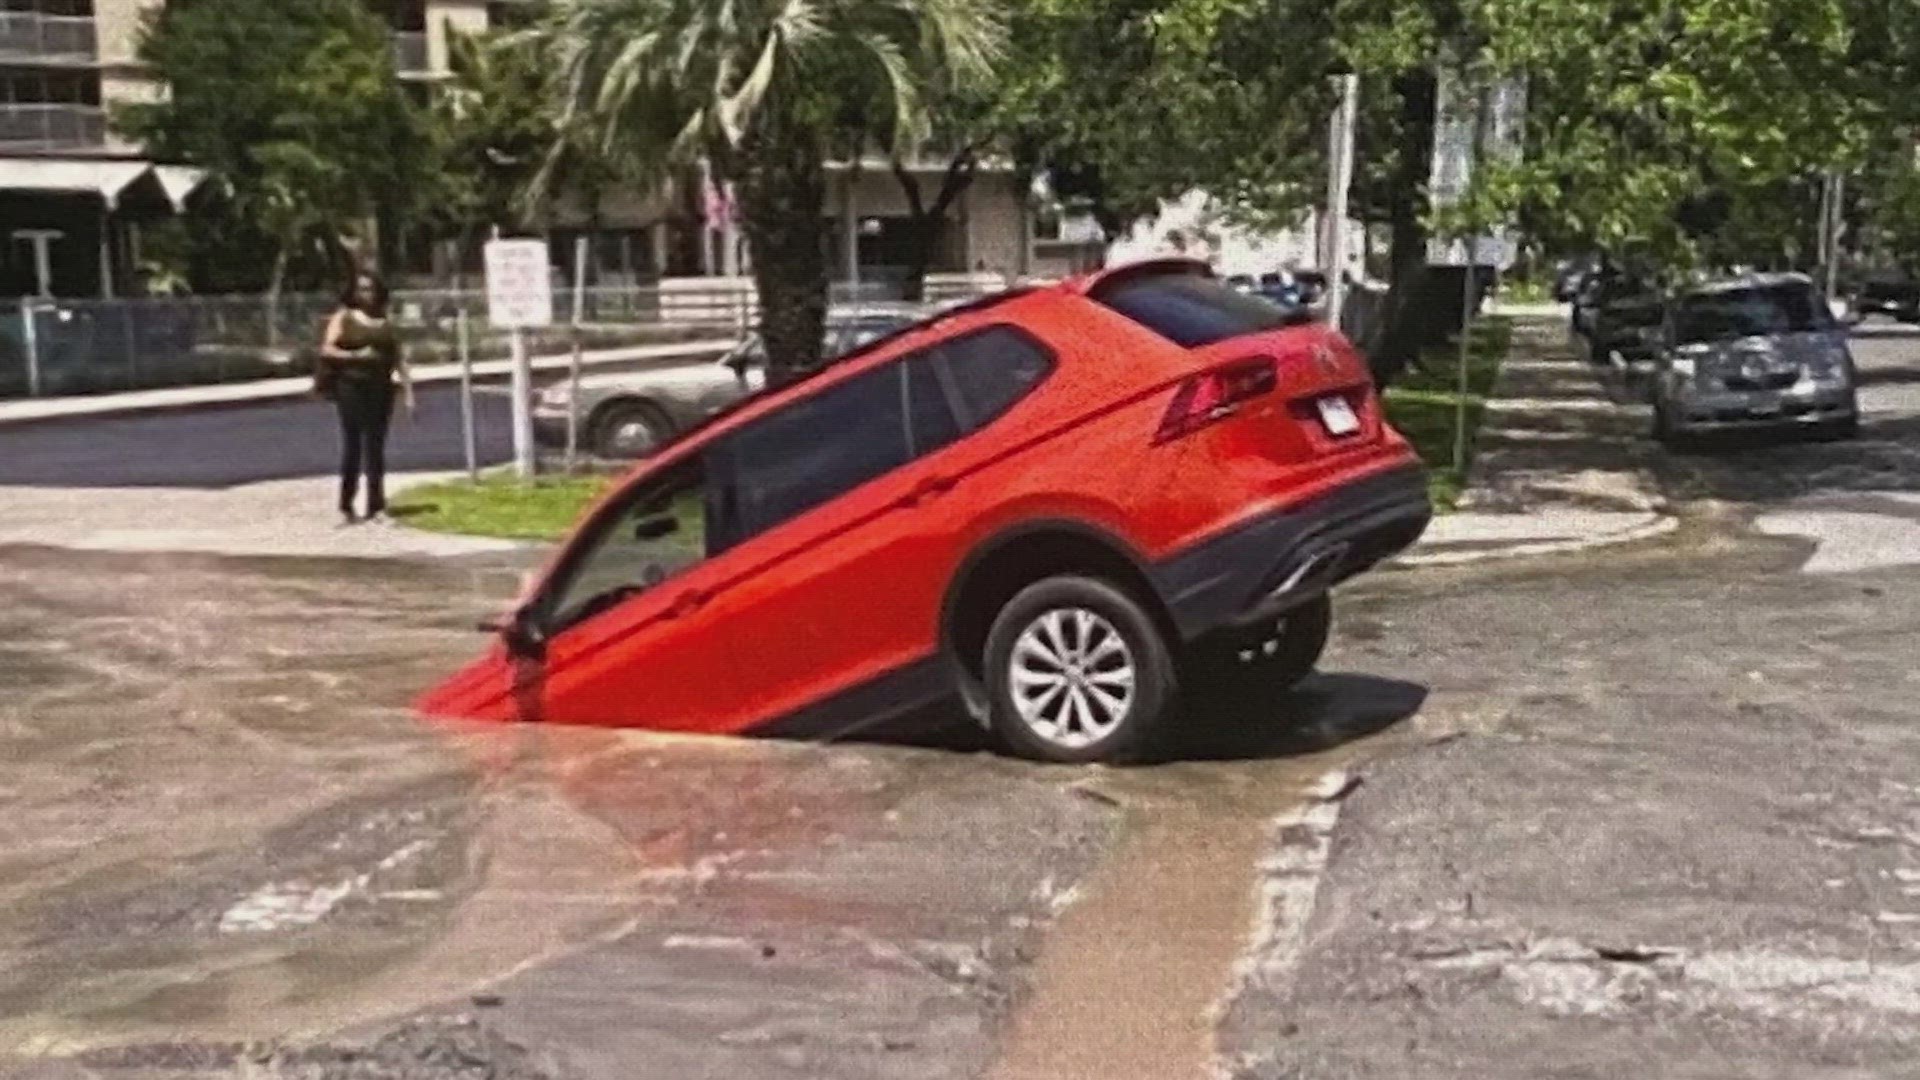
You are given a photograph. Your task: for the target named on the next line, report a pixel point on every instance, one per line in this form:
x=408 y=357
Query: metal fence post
x=133 y=350
x=466 y=398
x=33 y=346
x=573 y=371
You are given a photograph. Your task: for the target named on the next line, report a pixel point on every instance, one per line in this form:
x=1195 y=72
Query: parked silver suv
x=1757 y=351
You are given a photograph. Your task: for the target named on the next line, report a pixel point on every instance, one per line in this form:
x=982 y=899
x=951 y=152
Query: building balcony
x=411 y=56
x=42 y=128
x=30 y=38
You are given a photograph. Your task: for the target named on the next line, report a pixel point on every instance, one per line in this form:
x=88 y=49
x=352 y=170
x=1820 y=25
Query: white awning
x=107 y=179
x=180 y=182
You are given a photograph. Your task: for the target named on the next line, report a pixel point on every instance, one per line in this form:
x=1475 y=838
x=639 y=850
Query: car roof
x=1749 y=281
x=1100 y=280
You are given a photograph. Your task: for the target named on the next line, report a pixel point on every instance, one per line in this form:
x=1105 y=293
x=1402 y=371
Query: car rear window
x=1191 y=310
x=993 y=369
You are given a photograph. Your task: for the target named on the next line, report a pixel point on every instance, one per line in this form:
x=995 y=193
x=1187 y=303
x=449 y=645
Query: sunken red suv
x=1057 y=504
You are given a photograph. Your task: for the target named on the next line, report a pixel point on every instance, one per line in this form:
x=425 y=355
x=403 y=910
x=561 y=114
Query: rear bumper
x=1263 y=569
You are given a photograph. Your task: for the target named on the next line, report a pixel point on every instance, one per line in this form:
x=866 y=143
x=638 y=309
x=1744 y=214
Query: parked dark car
x=1571 y=276
x=1628 y=330
x=1894 y=295
x=1600 y=289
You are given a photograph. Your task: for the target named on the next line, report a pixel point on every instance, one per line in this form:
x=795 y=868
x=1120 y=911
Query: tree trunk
x=782 y=186
x=1406 y=315
x=924 y=221
x=274 y=286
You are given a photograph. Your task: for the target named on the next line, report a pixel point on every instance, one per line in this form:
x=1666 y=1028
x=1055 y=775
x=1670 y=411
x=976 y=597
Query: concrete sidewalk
x=276 y=518
x=1561 y=465
x=245 y=393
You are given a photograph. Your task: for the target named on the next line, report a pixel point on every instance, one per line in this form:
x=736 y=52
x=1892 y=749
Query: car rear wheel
x=1076 y=672
x=1665 y=432
x=1840 y=430
x=1275 y=656
x=629 y=429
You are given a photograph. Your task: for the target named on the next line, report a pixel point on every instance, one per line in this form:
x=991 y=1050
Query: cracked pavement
x=1651 y=809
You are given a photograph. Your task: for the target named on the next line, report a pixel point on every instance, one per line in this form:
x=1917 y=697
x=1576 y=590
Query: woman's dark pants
x=366 y=412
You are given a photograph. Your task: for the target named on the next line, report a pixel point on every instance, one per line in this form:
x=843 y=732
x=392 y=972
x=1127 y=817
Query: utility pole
x=1833 y=222
x=1339 y=193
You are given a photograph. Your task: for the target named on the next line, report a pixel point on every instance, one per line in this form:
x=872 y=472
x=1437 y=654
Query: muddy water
x=218 y=823
x=1138 y=969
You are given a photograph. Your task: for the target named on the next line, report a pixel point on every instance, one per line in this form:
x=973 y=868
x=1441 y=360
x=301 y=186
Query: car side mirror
x=654 y=528
x=520 y=634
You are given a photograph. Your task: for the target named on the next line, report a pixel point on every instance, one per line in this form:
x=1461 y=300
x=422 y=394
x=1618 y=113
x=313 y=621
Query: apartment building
x=73 y=196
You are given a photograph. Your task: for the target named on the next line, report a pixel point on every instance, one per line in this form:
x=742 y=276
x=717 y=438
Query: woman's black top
x=377 y=345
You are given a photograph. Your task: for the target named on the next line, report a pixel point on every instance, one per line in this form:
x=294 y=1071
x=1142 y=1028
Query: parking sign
x=519 y=284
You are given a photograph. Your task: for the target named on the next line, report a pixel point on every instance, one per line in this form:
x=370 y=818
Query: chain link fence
x=58 y=348
x=66 y=347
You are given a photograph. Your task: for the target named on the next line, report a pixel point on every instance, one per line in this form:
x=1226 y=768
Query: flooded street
x=222 y=834
x=1647 y=809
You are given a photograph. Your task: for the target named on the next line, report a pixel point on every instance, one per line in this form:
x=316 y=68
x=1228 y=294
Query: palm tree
x=760 y=89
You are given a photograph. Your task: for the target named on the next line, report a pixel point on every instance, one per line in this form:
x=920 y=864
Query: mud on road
x=227 y=848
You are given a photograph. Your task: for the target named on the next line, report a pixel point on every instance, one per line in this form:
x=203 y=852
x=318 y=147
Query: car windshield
x=1757 y=311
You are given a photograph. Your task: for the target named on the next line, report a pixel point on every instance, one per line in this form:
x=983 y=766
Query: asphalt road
x=1635 y=812
x=227 y=446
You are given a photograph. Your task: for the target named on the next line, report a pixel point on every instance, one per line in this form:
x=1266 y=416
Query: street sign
x=519 y=284
x=1497 y=250
x=1470 y=128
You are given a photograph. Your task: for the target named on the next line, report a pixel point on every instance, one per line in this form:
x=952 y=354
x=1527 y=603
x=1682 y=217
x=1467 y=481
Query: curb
x=290 y=388
x=1659 y=526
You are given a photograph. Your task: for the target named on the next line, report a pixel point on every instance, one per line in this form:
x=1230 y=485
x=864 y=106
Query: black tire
x=1838 y=430
x=610 y=434
x=1664 y=432
x=1274 y=657
x=1154 y=682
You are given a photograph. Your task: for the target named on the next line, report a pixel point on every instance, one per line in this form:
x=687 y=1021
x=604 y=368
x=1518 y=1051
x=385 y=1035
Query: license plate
x=1338 y=415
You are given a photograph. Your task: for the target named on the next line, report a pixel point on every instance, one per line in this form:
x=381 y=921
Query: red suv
x=1058 y=504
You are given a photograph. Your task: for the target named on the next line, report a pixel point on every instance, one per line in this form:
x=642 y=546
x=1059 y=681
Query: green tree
x=294 y=110
x=755 y=87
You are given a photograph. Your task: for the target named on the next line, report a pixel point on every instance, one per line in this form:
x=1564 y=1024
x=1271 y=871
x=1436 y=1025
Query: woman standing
x=360 y=359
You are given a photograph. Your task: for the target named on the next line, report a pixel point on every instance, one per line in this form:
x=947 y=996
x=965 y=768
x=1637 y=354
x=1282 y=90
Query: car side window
x=993 y=369
x=666 y=526
x=931 y=421
x=819 y=448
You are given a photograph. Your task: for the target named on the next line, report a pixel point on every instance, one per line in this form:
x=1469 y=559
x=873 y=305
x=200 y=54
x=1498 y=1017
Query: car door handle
x=931 y=488
x=688 y=602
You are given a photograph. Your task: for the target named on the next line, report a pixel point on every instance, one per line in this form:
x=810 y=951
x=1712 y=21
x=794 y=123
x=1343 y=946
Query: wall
x=460 y=16
x=118 y=24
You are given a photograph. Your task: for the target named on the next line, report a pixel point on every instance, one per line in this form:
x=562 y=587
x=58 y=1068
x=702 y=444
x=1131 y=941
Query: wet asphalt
x=1650 y=809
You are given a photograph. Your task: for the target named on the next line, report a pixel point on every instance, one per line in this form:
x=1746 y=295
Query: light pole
x=1339 y=193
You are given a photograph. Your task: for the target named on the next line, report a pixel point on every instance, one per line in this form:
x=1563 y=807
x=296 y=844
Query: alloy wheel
x=1073 y=677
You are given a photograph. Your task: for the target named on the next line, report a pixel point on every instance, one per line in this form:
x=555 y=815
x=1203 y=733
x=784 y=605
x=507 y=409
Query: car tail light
x=1212 y=396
